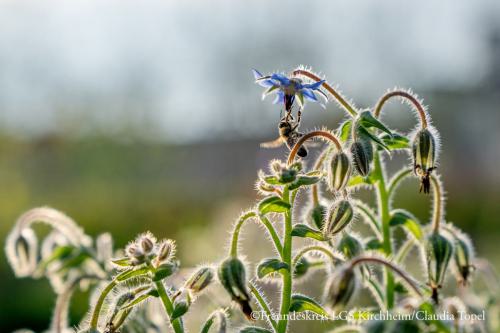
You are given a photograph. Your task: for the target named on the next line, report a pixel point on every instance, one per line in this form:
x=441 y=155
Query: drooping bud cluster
x=424 y=157
x=438 y=250
x=341 y=287
x=362 y=154
x=232 y=276
x=145 y=248
x=340 y=214
x=339 y=171
x=285 y=173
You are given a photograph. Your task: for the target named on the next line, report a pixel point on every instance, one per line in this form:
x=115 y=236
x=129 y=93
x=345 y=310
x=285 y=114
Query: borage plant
x=127 y=287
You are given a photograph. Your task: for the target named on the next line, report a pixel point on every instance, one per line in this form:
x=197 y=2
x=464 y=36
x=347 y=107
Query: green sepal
x=400 y=217
x=305 y=231
x=180 y=309
x=270 y=266
x=396 y=141
x=164 y=271
x=305 y=180
x=367 y=120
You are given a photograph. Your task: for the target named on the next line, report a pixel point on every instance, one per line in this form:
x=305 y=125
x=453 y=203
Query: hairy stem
x=169 y=306
x=438 y=203
x=310 y=135
x=318 y=248
x=342 y=101
x=263 y=305
x=396 y=180
x=94 y=321
x=236 y=231
x=383 y=209
x=286 y=292
x=317 y=167
x=401 y=93
x=391 y=266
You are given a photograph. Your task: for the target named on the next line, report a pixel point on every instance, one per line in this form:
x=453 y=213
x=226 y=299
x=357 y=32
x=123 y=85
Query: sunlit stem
x=94 y=321
x=263 y=305
x=342 y=101
x=169 y=306
x=396 y=180
x=401 y=93
x=317 y=248
x=310 y=135
x=438 y=203
x=286 y=291
x=393 y=267
x=317 y=167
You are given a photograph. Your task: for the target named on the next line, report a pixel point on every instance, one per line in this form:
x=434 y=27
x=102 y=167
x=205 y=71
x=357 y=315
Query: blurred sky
x=181 y=69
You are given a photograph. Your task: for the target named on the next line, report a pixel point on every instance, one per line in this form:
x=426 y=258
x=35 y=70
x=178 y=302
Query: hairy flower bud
x=438 y=253
x=340 y=215
x=341 y=287
x=362 y=154
x=232 y=276
x=317 y=214
x=147 y=243
x=135 y=253
x=22 y=251
x=462 y=258
x=200 y=279
x=339 y=171
x=424 y=155
x=350 y=246
x=301 y=268
x=166 y=251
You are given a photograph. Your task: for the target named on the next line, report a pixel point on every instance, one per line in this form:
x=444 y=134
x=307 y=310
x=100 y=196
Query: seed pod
x=424 y=155
x=340 y=215
x=350 y=246
x=232 y=276
x=362 y=154
x=341 y=287
x=339 y=171
x=438 y=253
x=462 y=258
x=200 y=279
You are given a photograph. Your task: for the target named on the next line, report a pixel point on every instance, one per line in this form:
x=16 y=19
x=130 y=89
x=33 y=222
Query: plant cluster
x=127 y=283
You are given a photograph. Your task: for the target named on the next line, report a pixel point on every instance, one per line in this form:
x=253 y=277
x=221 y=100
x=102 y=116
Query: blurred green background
x=135 y=115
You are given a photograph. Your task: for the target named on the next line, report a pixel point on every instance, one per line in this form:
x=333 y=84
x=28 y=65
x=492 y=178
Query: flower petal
x=269 y=90
x=309 y=95
x=280 y=97
x=314 y=86
x=281 y=79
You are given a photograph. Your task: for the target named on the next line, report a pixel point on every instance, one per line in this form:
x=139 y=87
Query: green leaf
x=123 y=262
x=270 y=266
x=273 y=204
x=272 y=180
x=367 y=135
x=180 y=309
x=132 y=273
x=304 y=181
x=136 y=301
x=345 y=130
x=373 y=244
x=400 y=217
x=305 y=231
x=359 y=180
x=254 y=329
x=367 y=120
x=396 y=141
x=302 y=303
x=164 y=271
x=59 y=253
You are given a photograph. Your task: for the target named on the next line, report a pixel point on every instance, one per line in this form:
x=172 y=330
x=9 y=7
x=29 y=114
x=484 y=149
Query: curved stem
x=401 y=93
x=318 y=248
x=396 y=180
x=370 y=216
x=384 y=211
x=310 y=135
x=438 y=203
x=404 y=250
x=169 y=306
x=342 y=101
x=94 y=321
x=286 y=292
x=272 y=232
x=393 y=267
x=317 y=166
x=236 y=231
x=263 y=305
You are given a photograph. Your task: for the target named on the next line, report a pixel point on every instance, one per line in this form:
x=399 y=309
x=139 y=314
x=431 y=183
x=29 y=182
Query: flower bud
x=166 y=251
x=232 y=276
x=339 y=171
x=350 y=246
x=200 y=279
x=462 y=258
x=301 y=268
x=438 y=253
x=147 y=243
x=424 y=155
x=317 y=215
x=362 y=154
x=22 y=251
x=340 y=215
x=135 y=253
x=341 y=287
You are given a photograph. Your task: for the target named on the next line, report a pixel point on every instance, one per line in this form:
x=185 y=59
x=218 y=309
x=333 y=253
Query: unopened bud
x=438 y=253
x=147 y=243
x=200 y=279
x=301 y=268
x=350 y=246
x=340 y=215
x=135 y=253
x=166 y=251
x=23 y=256
x=424 y=155
x=362 y=154
x=339 y=171
x=341 y=287
x=232 y=276
x=462 y=258
x=317 y=215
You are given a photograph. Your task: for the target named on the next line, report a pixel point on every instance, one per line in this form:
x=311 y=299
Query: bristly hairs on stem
x=438 y=202
x=406 y=96
x=343 y=102
x=324 y=134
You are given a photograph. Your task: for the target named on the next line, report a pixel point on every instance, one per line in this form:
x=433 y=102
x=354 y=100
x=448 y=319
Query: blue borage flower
x=287 y=88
